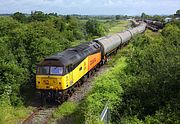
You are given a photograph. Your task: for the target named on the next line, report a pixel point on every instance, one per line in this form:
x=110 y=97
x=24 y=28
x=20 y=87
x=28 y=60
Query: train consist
x=154 y=25
x=58 y=75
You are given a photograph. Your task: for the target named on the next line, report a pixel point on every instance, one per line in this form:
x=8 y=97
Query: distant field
x=120 y=26
x=113 y=26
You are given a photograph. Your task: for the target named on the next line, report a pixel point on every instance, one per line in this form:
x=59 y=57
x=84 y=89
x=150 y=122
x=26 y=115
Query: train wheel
x=70 y=92
x=99 y=65
x=89 y=74
x=84 y=78
x=65 y=96
x=93 y=72
x=96 y=68
x=62 y=98
x=73 y=90
x=78 y=84
x=43 y=99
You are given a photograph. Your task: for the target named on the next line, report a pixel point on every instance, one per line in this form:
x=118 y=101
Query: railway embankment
x=141 y=86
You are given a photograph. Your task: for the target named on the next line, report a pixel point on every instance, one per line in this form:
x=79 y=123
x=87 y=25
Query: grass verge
x=13 y=115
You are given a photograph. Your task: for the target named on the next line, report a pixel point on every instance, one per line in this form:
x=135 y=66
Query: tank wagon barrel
x=115 y=41
x=59 y=74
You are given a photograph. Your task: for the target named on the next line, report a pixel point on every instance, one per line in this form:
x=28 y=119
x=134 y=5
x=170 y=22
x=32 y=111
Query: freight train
x=154 y=25
x=58 y=75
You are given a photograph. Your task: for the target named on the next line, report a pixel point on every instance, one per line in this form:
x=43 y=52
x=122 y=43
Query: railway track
x=39 y=116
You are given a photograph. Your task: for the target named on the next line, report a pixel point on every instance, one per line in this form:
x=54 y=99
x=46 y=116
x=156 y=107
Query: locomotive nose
x=48 y=83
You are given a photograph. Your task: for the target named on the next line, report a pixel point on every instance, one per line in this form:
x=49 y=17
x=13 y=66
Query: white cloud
x=91 y=6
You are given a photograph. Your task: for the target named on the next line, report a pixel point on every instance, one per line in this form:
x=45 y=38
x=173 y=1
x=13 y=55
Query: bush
x=106 y=89
x=151 y=87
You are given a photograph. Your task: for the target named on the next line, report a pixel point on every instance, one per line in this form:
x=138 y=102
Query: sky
x=92 y=7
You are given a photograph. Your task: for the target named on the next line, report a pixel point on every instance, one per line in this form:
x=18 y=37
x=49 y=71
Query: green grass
x=12 y=115
x=153 y=35
x=65 y=109
x=120 y=26
x=106 y=88
x=68 y=113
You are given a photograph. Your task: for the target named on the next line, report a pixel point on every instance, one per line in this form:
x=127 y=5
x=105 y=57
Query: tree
x=53 y=14
x=19 y=16
x=143 y=15
x=60 y=24
x=38 y=16
x=158 y=18
x=178 y=12
x=118 y=17
x=94 y=28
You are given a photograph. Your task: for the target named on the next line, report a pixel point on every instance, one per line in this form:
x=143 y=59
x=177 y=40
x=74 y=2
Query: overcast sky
x=92 y=7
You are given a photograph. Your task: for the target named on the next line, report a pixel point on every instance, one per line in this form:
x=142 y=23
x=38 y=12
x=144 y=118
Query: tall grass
x=13 y=115
x=106 y=88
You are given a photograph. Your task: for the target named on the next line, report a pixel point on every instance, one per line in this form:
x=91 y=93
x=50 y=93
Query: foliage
x=106 y=89
x=94 y=28
x=154 y=18
x=143 y=15
x=151 y=85
x=178 y=12
x=69 y=112
x=19 y=17
x=9 y=114
x=38 y=16
x=117 y=17
x=65 y=109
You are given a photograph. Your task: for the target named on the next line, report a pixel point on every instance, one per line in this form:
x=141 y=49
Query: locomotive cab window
x=43 y=70
x=46 y=70
x=56 y=70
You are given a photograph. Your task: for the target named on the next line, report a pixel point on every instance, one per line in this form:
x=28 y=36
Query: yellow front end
x=50 y=82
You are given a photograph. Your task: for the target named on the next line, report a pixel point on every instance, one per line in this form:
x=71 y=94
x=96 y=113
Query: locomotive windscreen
x=49 y=70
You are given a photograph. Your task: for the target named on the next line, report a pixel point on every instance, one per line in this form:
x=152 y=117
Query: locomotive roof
x=71 y=56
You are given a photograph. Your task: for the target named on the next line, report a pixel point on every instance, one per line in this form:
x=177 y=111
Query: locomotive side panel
x=80 y=70
x=93 y=60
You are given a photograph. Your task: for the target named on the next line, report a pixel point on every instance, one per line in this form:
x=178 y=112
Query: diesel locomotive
x=59 y=74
